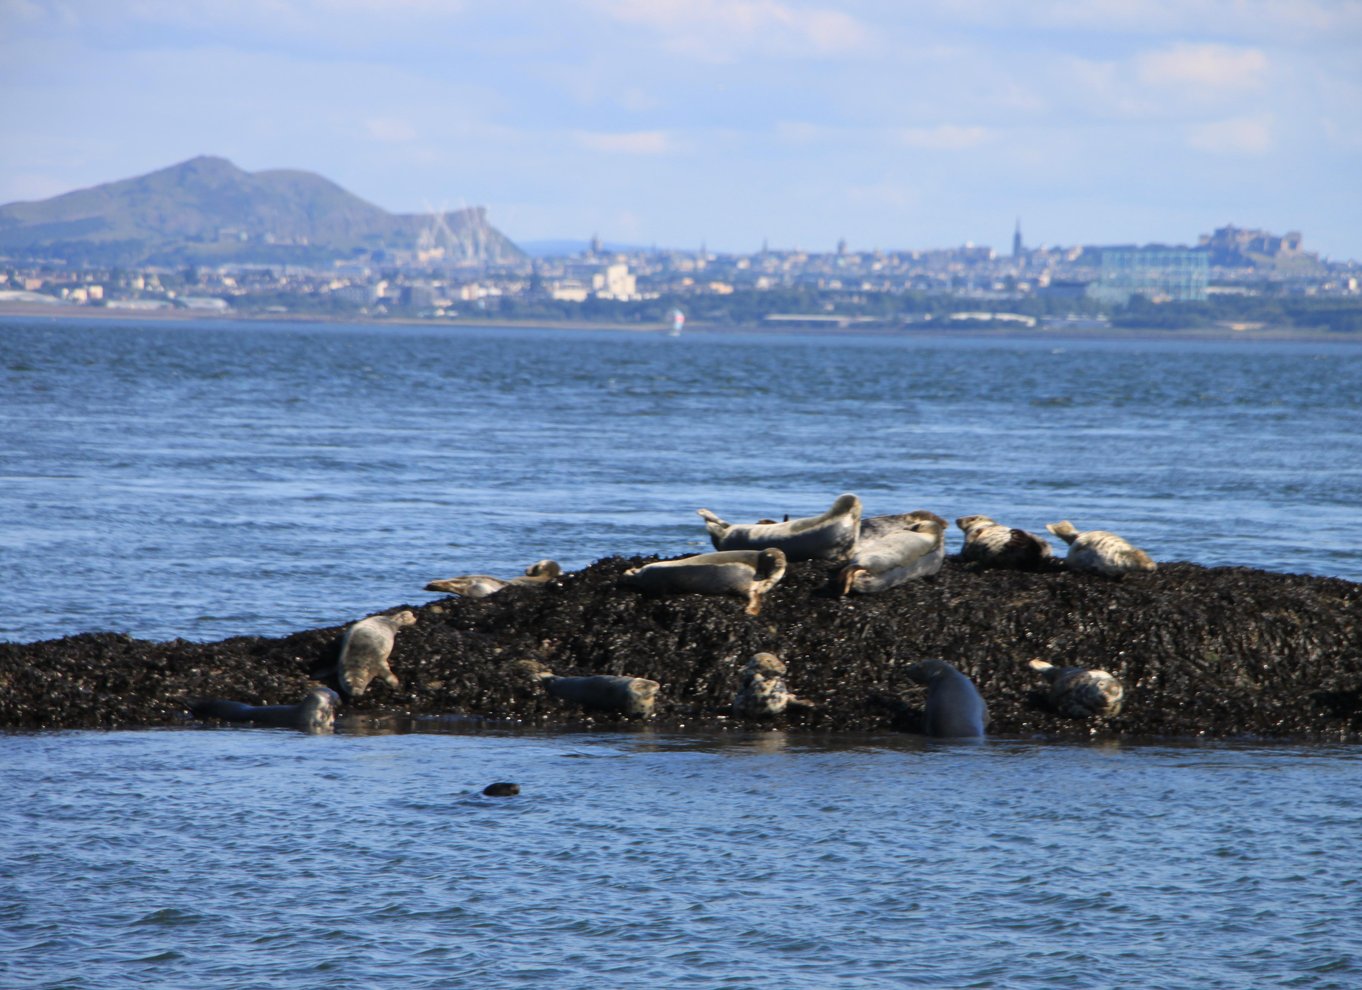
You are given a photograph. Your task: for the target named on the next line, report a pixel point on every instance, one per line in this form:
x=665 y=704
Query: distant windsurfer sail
x=678 y=321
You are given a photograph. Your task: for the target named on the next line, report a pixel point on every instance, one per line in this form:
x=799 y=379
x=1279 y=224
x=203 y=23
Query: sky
x=892 y=124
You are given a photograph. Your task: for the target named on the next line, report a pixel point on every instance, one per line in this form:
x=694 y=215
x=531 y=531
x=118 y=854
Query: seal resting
x=603 y=692
x=1078 y=692
x=991 y=544
x=827 y=537
x=536 y=575
x=315 y=713
x=893 y=550
x=954 y=709
x=1098 y=552
x=745 y=573
x=364 y=652
x=762 y=692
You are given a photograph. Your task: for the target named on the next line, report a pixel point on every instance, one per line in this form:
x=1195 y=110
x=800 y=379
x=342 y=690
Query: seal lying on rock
x=536 y=575
x=364 y=652
x=746 y=573
x=955 y=709
x=893 y=550
x=762 y=691
x=604 y=692
x=315 y=713
x=990 y=544
x=827 y=537
x=1079 y=692
x=1099 y=552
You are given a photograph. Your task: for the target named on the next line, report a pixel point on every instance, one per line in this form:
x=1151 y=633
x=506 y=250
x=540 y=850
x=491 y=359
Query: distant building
x=1160 y=274
x=1017 y=242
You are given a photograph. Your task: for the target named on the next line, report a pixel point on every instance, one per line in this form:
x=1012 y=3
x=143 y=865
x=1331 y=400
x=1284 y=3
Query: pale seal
x=1099 y=552
x=893 y=550
x=991 y=544
x=1078 y=692
x=762 y=692
x=603 y=692
x=315 y=713
x=954 y=709
x=536 y=575
x=827 y=537
x=365 y=649
x=747 y=574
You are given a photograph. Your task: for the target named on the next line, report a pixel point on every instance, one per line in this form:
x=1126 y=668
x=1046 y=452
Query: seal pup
x=991 y=544
x=1099 y=552
x=365 y=649
x=747 y=574
x=603 y=692
x=536 y=575
x=829 y=536
x=954 y=709
x=1078 y=692
x=316 y=713
x=893 y=550
x=762 y=691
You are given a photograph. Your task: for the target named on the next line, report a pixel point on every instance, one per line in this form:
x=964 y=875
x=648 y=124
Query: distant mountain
x=208 y=211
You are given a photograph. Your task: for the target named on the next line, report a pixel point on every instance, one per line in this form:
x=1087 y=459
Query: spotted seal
x=1078 y=692
x=365 y=649
x=991 y=544
x=761 y=691
x=893 y=550
x=954 y=709
x=1098 y=552
x=747 y=574
x=829 y=536
x=316 y=713
x=603 y=692
x=536 y=575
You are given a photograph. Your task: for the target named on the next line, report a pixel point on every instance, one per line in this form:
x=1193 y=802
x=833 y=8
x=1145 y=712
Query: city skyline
x=729 y=124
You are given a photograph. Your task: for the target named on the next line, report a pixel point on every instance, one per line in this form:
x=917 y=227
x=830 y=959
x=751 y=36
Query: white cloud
x=627 y=143
x=943 y=137
x=389 y=129
x=722 y=30
x=1236 y=136
x=1213 y=66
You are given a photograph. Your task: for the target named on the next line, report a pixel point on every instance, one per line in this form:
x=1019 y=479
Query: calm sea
x=202 y=480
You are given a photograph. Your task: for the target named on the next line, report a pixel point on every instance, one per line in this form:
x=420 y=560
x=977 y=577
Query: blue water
x=204 y=480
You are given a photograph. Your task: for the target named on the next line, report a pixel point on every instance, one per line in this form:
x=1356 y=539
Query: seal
x=502 y=788
x=955 y=709
x=827 y=537
x=602 y=692
x=1078 y=692
x=762 y=692
x=893 y=550
x=365 y=649
x=316 y=713
x=990 y=544
x=1098 y=552
x=536 y=575
x=747 y=574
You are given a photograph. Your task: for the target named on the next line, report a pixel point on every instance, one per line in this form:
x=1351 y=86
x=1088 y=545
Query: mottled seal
x=315 y=713
x=991 y=544
x=745 y=573
x=893 y=550
x=827 y=537
x=364 y=652
x=954 y=709
x=1079 y=692
x=1099 y=552
x=603 y=692
x=536 y=575
x=762 y=691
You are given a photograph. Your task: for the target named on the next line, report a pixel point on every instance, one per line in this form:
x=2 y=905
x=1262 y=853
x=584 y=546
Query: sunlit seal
x=991 y=544
x=762 y=692
x=365 y=649
x=747 y=574
x=536 y=575
x=1099 y=552
x=827 y=537
x=954 y=709
x=315 y=713
x=893 y=550
x=1079 y=692
x=602 y=692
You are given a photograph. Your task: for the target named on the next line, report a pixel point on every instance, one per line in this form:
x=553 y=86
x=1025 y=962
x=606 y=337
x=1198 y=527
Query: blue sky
x=890 y=123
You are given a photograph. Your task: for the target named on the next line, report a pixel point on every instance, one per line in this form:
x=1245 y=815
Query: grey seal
x=365 y=649
x=748 y=574
x=315 y=713
x=1078 y=692
x=762 y=692
x=991 y=544
x=603 y=692
x=893 y=550
x=954 y=709
x=536 y=575
x=1098 y=552
x=829 y=536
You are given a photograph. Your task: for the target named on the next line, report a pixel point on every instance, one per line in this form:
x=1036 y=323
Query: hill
x=208 y=211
